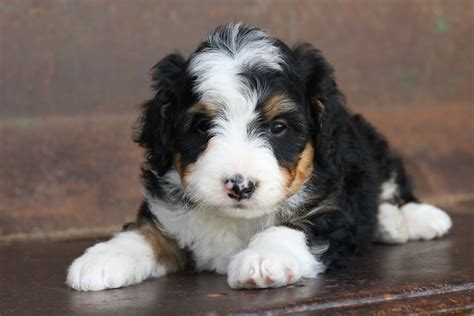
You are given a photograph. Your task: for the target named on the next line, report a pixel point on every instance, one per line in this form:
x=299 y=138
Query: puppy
x=255 y=168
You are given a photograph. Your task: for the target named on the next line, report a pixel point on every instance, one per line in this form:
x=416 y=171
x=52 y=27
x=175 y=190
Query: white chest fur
x=213 y=238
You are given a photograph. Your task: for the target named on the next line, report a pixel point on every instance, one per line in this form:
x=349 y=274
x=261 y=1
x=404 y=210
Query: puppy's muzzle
x=239 y=188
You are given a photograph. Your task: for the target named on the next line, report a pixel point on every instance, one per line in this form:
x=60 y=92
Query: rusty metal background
x=73 y=72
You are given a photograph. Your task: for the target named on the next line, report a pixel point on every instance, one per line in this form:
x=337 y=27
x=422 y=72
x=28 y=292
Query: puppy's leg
x=413 y=221
x=402 y=218
x=425 y=221
x=128 y=258
x=392 y=226
x=275 y=257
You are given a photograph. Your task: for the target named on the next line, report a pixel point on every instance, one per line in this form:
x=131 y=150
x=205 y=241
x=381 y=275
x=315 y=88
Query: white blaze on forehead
x=217 y=67
x=230 y=151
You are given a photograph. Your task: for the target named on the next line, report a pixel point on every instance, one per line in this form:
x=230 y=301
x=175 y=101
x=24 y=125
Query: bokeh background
x=73 y=74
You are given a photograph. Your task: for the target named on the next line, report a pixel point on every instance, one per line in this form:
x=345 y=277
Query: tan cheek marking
x=177 y=163
x=165 y=249
x=289 y=174
x=297 y=176
x=182 y=171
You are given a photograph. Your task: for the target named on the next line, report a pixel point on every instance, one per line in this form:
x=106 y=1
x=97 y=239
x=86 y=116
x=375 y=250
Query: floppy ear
x=316 y=74
x=153 y=130
x=320 y=87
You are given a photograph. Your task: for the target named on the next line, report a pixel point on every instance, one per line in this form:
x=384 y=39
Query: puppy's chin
x=244 y=209
x=241 y=211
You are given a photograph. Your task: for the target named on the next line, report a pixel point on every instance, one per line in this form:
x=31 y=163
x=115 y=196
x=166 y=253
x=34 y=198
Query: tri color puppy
x=256 y=169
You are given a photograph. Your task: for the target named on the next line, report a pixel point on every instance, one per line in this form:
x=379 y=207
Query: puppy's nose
x=239 y=188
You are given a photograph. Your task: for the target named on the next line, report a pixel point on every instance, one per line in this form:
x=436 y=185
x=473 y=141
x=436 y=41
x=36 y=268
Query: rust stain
x=73 y=122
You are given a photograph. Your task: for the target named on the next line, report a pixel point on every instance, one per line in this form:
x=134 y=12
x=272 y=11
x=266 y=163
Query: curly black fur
x=352 y=159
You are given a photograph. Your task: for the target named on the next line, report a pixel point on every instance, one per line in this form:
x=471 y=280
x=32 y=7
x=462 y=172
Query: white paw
x=425 y=221
x=275 y=257
x=391 y=225
x=122 y=261
x=250 y=269
x=100 y=269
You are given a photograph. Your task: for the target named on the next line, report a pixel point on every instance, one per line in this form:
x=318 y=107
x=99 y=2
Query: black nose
x=239 y=188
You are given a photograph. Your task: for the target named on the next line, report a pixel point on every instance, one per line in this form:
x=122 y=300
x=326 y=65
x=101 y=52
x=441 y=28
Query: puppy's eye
x=278 y=127
x=201 y=126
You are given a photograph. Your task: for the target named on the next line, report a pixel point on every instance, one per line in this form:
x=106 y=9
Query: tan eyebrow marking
x=277 y=105
x=209 y=109
x=317 y=103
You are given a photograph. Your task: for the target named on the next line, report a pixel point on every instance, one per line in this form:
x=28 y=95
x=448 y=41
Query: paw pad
x=252 y=270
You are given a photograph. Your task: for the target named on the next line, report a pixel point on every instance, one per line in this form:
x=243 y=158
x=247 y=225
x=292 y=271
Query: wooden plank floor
x=416 y=277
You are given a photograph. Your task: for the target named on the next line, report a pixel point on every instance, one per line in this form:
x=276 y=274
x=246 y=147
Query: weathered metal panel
x=73 y=73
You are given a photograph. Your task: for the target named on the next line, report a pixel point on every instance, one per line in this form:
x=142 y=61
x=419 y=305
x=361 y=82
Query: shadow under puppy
x=255 y=168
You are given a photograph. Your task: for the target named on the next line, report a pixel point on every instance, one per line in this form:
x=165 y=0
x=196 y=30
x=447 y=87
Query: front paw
x=102 y=269
x=252 y=269
x=122 y=261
